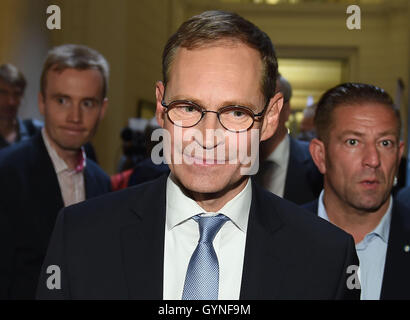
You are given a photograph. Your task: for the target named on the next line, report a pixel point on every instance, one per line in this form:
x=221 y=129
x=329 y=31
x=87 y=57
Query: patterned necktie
x=202 y=277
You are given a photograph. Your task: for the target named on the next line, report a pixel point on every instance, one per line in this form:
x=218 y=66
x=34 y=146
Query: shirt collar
x=382 y=229
x=279 y=155
x=59 y=164
x=181 y=208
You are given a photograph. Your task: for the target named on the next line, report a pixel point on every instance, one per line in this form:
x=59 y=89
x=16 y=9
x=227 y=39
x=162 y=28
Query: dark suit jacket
x=303 y=180
x=112 y=247
x=30 y=199
x=403 y=195
x=396 y=278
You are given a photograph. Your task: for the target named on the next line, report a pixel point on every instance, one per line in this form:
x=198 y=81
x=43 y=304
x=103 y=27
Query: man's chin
x=71 y=146
x=369 y=205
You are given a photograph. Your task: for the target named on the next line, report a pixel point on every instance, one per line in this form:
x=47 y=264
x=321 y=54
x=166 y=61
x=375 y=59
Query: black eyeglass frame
x=204 y=111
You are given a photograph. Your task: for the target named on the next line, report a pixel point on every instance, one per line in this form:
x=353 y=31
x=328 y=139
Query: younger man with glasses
x=219 y=72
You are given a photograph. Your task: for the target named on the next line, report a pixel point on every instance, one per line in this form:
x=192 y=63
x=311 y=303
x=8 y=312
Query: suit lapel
x=396 y=279
x=143 y=242
x=294 y=172
x=92 y=188
x=45 y=173
x=262 y=270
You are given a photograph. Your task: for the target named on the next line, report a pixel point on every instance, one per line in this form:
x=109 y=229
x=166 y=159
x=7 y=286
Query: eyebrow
x=223 y=104
x=60 y=95
x=63 y=95
x=360 y=134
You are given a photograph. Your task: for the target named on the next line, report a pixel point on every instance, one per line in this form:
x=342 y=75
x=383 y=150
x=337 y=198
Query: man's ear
x=41 y=103
x=318 y=153
x=271 y=118
x=401 y=149
x=160 y=110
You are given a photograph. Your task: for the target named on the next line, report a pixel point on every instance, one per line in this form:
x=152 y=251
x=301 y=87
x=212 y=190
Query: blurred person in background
x=286 y=168
x=307 y=126
x=49 y=171
x=12 y=128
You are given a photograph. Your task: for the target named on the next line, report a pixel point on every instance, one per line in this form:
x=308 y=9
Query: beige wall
x=11 y=15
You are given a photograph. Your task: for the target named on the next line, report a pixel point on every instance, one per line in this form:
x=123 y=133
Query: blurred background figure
x=307 y=126
x=12 y=128
x=135 y=165
x=49 y=171
x=286 y=168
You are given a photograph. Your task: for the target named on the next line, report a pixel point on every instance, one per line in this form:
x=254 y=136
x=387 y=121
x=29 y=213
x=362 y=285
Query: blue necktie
x=202 y=277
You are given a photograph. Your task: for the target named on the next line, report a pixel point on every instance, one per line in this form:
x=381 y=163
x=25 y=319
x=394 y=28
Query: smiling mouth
x=203 y=161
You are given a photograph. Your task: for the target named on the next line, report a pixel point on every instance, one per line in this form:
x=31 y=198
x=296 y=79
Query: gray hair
x=12 y=76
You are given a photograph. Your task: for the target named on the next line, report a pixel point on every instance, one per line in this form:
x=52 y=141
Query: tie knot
x=209 y=226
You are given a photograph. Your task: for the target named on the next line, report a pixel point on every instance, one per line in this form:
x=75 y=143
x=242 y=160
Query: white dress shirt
x=280 y=158
x=371 y=252
x=182 y=235
x=71 y=181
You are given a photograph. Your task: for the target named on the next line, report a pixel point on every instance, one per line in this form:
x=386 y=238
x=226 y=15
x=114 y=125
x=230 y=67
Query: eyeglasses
x=186 y=114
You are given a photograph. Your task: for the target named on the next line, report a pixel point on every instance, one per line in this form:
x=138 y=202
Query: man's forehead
x=364 y=109
x=215 y=66
x=85 y=76
x=361 y=118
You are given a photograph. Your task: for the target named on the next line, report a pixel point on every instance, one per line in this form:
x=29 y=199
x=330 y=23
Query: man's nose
x=371 y=156
x=75 y=114
x=210 y=127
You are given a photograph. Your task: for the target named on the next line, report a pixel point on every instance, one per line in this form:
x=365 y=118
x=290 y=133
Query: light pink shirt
x=71 y=181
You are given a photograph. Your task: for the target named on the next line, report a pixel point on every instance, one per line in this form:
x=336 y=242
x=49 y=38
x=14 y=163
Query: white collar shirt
x=71 y=181
x=182 y=235
x=371 y=252
x=277 y=177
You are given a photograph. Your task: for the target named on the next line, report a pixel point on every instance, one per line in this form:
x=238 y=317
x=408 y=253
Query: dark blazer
x=112 y=247
x=403 y=195
x=30 y=199
x=303 y=180
x=396 y=278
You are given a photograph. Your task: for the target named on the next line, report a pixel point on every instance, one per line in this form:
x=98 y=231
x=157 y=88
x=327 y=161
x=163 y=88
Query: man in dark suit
x=142 y=242
x=286 y=168
x=358 y=150
x=403 y=195
x=41 y=175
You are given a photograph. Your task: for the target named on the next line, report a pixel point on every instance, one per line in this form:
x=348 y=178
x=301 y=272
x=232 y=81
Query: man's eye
x=188 y=109
x=386 y=143
x=238 y=113
x=352 y=142
x=62 y=100
x=88 y=103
